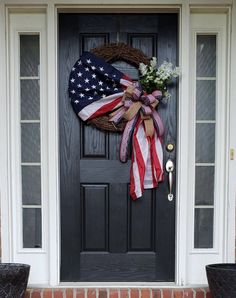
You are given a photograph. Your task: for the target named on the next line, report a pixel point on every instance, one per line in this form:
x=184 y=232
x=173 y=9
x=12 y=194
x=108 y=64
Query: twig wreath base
x=111 y=53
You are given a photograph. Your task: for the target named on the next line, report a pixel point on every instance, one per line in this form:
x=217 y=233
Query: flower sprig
x=157 y=78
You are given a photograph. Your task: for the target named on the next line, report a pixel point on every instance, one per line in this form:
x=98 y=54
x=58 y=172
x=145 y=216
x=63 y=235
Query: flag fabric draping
x=96 y=88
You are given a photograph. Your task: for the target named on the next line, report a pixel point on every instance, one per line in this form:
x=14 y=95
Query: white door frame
x=51 y=9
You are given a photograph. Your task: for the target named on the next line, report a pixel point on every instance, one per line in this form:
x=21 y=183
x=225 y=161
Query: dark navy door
x=104 y=235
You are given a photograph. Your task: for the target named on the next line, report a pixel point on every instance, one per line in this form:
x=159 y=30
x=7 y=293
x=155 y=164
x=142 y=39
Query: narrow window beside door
x=30 y=140
x=205 y=124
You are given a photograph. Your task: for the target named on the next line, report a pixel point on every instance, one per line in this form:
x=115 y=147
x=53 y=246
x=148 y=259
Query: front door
x=104 y=235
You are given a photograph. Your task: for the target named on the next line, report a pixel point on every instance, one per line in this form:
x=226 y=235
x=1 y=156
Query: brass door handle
x=170 y=169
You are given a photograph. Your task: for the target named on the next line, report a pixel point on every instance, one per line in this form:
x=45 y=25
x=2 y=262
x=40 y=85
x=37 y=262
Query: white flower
x=152 y=76
x=143 y=69
x=176 y=72
x=153 y=63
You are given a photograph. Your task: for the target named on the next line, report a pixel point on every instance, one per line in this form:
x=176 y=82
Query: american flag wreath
x=97 y=88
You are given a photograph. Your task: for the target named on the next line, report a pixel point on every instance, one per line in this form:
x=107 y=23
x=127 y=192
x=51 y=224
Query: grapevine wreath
x=102 y=95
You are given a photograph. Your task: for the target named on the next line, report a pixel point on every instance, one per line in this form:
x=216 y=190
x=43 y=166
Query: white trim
x=5 y=183
x=229 y=250
x=53 y=149
x=51 y=251
x=182 y=158
x=198 y=258
x=20 y=24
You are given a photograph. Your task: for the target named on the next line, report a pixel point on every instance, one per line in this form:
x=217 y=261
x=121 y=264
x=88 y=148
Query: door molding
x=53 y=9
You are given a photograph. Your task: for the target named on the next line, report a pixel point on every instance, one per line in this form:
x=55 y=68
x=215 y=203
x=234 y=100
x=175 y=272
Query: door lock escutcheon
x=170 y=147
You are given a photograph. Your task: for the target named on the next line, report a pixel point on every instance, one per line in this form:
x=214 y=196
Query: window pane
x=30 y=105
x=204 y=185
x=32 y=228
x=31 y=185
x=203 y=236
x=206 y=100
x=206 y=55
x=30 y=142
x=205 y=142
x=29 y=55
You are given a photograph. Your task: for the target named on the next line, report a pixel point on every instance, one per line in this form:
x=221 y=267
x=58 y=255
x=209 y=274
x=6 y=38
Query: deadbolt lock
x=170 y=147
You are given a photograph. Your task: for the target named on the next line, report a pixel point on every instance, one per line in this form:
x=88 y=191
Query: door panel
x=104 y=235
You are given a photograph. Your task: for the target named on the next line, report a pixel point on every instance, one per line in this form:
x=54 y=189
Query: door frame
x=51 y=10
x=183 y=48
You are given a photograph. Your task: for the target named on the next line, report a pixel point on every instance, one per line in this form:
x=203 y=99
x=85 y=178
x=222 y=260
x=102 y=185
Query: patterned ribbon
x=135 y=105
x=143 y=122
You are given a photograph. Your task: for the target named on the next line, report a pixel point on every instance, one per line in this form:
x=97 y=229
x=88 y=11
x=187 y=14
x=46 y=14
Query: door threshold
x=117 y=284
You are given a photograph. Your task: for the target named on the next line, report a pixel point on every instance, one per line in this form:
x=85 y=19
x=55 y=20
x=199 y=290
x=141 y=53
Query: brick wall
x=118 y=293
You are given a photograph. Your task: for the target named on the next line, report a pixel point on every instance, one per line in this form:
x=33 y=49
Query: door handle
x=170 y=169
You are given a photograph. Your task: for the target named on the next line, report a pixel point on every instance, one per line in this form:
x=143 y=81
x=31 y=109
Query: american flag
x=95 y=87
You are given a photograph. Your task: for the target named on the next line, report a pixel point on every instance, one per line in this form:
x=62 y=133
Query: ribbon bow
x=146 y=127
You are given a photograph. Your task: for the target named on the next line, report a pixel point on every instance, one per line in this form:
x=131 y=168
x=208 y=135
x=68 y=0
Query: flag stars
x=79 y=74
x=73 y=68
x=93 y=67
x=115 y=89
x=101 y=68
x=86 y=69
x=93 y=87
x=79 y=85
x=87 y=89
x=81 y=95
x=72 y=80
x=76 y=101
x=79 y=62
x=89 y=61
x=107 y=88
x=73 y=91
x=106 y=74
x=101 y=89
x=90 y=98
x=114 y=76
x=94 y=76
x=86 y=80
x=100 y=83
x=103 y=96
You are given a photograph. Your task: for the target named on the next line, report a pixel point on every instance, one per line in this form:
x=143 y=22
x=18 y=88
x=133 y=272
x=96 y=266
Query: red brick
x=124 y=293
x=80 y=293
x=58 y=293
x=113 y=293
x=145 y=293
x=208 y=294
x=102 y=293
x=178 y=293
x=27 y=294
x=200 y=293
x=36 y=294
x=188 y=293
x=92 y=293
x=156 y=293
x=167 y=293
x=69 y=293
x=47 y=293
x=134 y=293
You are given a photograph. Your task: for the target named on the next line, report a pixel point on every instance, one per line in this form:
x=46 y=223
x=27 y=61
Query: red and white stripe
x=103 y=105
x=147 y=162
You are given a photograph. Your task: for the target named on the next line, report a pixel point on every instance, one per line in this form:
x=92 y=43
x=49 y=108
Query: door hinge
x=231 y=154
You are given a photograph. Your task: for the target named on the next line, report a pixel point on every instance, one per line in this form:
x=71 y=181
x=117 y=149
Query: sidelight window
x=30 y=140
x=205 y=125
